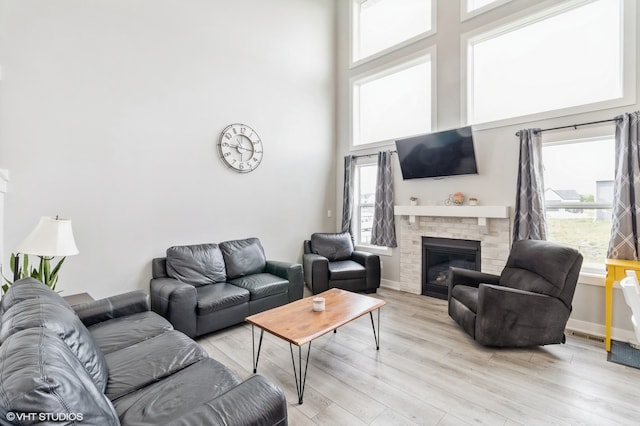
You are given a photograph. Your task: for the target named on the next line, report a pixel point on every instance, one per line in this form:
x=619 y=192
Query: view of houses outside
x=578 y=178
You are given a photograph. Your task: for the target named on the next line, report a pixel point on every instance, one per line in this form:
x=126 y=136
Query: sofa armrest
x=290 y=271
x=176 y=301
x=254 y=402
x=469 y=277
x=316 y=272
x=112 y=307
x=371 y=263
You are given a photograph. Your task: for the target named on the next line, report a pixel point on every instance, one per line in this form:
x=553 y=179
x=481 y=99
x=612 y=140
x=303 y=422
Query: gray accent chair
x=330 y=261
x=207 y=287
x=528 y=304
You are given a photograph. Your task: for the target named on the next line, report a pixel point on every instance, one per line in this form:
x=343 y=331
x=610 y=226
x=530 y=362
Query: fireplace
x=438 y=254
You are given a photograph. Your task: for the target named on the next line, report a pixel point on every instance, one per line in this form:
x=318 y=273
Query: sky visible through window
x=545 y=65
x=385 y=23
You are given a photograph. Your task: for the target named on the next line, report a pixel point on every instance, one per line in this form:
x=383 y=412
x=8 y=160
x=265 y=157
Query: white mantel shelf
x=479 y=212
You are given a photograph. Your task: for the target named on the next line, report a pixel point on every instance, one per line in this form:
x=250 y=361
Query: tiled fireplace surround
x=494 y=234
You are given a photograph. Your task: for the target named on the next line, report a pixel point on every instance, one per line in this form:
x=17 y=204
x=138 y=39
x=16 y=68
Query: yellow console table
x=616 y=270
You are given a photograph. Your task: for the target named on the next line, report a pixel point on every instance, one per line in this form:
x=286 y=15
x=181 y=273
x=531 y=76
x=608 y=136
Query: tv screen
x=439 y=154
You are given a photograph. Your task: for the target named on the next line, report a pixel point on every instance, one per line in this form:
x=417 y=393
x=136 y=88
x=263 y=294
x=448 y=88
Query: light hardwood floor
x=429 y=372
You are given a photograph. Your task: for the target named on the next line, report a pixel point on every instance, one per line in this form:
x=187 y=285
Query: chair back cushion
x=197 y=265
x=333 y=246
x=243 y=257
x=543 y=267
x=29 y=289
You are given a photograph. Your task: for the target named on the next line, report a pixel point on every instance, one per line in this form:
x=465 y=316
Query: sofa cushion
x=136 y=366
x=41 y=375
x=243 y=257
x=219 y=296
x=177 y=395
x=333 y=246
x=196 y=264
x=125 y=331
x=30 y=289
x=262 y=285
x=38 y=313
x=346 y=270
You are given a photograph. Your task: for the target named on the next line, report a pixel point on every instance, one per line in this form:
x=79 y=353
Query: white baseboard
x=393 y=285
x=598 y=330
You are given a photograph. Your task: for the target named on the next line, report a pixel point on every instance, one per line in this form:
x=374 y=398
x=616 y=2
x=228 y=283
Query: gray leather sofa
x=206 y=287
x=112 y=362
x=330 y=260
x=528 y=304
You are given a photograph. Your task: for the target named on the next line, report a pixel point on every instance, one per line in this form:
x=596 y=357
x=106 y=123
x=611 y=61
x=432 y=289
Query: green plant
x=43 y=273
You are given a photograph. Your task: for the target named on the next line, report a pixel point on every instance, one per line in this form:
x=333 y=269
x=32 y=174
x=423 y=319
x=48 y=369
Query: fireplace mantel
x=479 y=212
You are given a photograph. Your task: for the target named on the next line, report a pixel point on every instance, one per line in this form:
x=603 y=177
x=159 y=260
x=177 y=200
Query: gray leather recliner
x=330 y=261
x=528 y=304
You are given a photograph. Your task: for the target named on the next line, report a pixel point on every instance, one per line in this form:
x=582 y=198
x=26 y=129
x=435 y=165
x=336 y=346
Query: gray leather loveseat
x=112 y=362
x=206 y=287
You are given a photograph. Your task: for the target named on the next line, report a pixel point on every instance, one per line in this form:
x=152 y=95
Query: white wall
x=110 y=111
x=496 y=148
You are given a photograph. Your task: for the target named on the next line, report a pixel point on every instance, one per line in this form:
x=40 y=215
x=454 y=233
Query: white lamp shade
x=51 y=237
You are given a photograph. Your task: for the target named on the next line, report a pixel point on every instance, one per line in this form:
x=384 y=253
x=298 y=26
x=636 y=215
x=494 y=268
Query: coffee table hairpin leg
x=300 y=380
x=253 y=348
x=376 y=336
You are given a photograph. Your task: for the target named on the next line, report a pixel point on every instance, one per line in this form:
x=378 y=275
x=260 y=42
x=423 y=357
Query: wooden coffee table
x=298 y=324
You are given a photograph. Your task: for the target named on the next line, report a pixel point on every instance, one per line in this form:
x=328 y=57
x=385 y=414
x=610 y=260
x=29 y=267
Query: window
x=471 y=8
x=392 y=104
x=544 y=63
x=381 y=24
x=365 y=184
x=578 y=180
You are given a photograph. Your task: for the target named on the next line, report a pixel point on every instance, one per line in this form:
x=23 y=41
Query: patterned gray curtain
x=347 y=193
x=383 y=232
x=529 y=222
x=626 y=190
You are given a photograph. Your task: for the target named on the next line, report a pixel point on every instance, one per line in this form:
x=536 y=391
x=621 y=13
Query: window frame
x=465 y=15
x=530 y=16
x=423 y=56
x=357 y=222
x=353 y=29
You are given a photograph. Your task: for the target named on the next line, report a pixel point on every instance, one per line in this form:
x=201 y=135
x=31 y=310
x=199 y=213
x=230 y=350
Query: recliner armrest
x=290 y=271
x=316 y=272
x=176 y=301
x=470 y=278
x=116 y=306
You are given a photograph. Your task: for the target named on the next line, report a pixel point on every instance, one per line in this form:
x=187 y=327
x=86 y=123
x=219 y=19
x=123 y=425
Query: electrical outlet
x=329 y=213
x=381 y=264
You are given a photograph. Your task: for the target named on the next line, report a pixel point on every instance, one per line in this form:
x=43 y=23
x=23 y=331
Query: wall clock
x=240 y=148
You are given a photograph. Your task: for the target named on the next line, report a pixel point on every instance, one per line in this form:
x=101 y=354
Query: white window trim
x=428 y=54
x=398 y=46
x=464 y=15
x=538 y=12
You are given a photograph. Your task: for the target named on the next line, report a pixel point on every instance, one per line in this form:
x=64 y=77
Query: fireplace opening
x=438 y=254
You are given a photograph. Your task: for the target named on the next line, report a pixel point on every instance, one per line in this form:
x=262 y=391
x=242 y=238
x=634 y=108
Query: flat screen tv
x=439 y=154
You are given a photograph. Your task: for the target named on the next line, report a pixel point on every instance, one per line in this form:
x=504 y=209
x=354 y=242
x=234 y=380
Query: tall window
x=393 y=103
x=381 y=24
x=578 y=180
x=470 y=6
x=365 y=184
x=544 y=63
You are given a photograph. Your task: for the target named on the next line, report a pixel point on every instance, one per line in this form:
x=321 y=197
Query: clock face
x=240 y=148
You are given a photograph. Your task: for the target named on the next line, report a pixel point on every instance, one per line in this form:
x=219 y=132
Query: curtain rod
x=575 y=126
x=371 y=155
